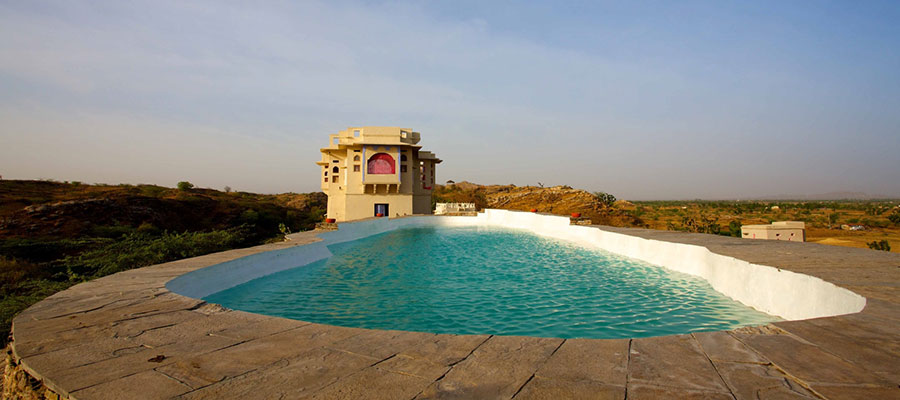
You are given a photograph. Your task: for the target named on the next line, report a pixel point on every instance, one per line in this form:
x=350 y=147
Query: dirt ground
x=838 y=237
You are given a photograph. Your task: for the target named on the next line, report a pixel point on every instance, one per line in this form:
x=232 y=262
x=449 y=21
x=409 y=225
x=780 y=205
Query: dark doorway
x=381 y=209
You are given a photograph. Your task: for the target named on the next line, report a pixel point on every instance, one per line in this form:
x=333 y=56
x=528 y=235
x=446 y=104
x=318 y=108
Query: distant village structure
x=376 y=171
x=792 y=231
x=455 y=209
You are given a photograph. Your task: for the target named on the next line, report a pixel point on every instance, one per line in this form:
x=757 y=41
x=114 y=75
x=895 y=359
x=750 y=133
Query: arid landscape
x=57 y=234
x=853 y=223
x=54 y=235
x=214 y=199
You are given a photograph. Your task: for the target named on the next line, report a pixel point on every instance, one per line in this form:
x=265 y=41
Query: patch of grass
x=25 y=283
x=135 y=250
x=56 y=235
x=21 y=285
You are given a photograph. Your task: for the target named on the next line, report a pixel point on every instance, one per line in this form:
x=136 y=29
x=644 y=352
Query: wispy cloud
x=244 y=94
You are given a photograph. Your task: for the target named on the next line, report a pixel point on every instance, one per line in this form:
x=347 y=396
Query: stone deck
x=126 y=336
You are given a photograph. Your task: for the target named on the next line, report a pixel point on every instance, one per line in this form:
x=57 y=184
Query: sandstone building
x=793 y=231
x=375 y=170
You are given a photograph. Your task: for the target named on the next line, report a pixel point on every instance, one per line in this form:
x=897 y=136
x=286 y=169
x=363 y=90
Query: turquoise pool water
x=469 y=280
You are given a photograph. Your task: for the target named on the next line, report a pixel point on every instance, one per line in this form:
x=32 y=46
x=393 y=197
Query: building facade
x=375 y=170
x=792 y=231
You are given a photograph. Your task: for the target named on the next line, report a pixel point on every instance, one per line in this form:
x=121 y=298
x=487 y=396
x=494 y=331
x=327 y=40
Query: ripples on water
x=477 y=280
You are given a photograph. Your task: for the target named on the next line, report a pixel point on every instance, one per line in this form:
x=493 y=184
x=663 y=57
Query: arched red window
x=381 y=163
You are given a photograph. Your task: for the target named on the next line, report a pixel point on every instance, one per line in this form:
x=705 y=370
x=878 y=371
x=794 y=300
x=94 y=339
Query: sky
x=644 y=100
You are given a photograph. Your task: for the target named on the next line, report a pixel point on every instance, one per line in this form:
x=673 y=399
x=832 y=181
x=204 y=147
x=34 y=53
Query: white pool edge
x=781 y=293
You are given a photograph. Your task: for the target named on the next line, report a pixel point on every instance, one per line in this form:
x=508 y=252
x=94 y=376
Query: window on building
x=403 y=168
x=381 y=163
x=334 y=179
x=403 y=157
x=403 y=134
x=326 y=173
x=335 y=170
x=356 y=158
x=326 y=179
x=337 y=140
x=356 y=133
x=356 y=168
x=334 y=161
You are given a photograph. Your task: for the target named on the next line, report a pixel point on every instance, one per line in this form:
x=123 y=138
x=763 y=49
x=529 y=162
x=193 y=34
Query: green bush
x=149 y=229
x=185 y=185
x=137 y=250
x=734 y=227
x=833 y=219
x=46 y=250
x=894 y=218
x=152 y=190
x=882 y=245
x=605 y=198
x=21 y=285
x=249 y=216
x=110 y=231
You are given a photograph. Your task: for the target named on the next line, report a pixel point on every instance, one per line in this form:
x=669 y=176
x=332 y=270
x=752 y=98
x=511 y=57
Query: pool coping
x=126 y=335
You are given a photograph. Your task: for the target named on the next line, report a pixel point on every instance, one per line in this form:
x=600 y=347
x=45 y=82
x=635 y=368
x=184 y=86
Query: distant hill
x=65 y=210
x=560 y=200
x=830 y=196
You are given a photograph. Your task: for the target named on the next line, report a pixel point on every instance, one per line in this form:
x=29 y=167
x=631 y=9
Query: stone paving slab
x=127 y=336
x=498 y=368
x=599 y=361
x=552 y=389
x=675 y=361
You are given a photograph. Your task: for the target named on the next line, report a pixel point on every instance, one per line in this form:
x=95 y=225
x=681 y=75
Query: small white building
x=792 y=231
x=454 y=208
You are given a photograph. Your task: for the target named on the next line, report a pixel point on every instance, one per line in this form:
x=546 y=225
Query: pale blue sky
x=646 y=100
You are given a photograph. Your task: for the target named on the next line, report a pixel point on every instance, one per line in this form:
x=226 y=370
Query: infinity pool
x=490 y=280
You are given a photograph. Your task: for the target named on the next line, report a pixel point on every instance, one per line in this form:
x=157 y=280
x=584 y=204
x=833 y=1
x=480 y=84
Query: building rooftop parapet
x=779 y=225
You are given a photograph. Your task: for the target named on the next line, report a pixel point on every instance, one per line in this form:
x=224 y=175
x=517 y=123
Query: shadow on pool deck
x=127 y=336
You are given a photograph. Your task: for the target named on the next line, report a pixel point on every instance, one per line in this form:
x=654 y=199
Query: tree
x=833 y=219
x=185 y=185
x=735 y=228
x=605 y=198
x=227 y=189
x=895 y=217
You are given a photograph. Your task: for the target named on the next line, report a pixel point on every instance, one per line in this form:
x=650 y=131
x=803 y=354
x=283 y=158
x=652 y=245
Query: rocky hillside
x=555 y=200
x=561 y=200
x=30 y=209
